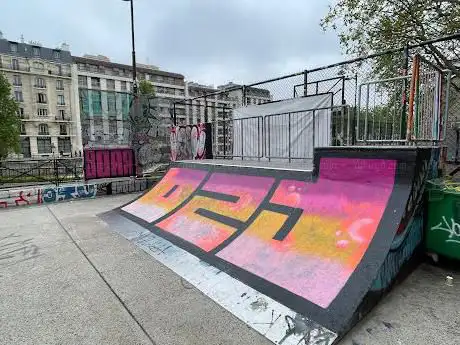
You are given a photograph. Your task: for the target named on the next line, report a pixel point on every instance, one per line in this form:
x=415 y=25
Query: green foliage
x=146 y=88
x=10 y=124
x=366 y=26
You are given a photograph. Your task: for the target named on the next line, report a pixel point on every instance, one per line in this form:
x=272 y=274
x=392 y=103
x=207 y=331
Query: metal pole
x=305 y=83
x=403 y=124
x=134 y=50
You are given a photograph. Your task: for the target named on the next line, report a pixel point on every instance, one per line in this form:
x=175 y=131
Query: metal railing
x=32 y=171
x=380 y=111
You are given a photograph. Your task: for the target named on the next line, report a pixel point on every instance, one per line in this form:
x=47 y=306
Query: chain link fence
x=398 y=97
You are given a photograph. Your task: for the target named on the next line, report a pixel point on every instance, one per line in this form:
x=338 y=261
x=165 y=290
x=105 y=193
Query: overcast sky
x=208 y=41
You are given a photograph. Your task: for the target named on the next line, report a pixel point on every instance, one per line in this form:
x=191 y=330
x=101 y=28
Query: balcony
x=40 y=86
x=16 y=67
x=62 y=118
x=17 y=84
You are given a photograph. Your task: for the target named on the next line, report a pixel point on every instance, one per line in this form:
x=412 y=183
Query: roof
x=139 y=68
x=26 y=50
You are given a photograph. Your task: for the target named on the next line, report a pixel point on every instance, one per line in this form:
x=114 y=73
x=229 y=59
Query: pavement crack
x=103 y=278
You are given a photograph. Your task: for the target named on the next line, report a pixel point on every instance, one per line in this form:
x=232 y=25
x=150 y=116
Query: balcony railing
x=40 y=86
x=16 y=67
x=62 y=118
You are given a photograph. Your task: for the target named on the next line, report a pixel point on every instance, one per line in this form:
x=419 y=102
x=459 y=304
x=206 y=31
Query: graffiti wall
x=191 y=142
x=108 y=163
x=149 y=133
x=304 y=239
x=46 y=194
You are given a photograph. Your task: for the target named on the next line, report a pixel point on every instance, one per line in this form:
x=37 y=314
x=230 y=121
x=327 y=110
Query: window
x=123 y=85
x=43 y=129
x=23 y=129
x=125 y=103
x=56 y=54
x=42 y=112
x=14 y=47
x=59 y=69
x=21 y=112
x=95 y=82
x=63 y=129
x=18 y=96
x=111 y=102
x=84 y=102
x=96 y=102
x=36 y=51
x=25 y=147
x=44 y=145
x=64 y=145
x=82 y=81
x=112 y=127
x=60 y=100
x=110 y=84
x=17 y=80
x=59 y=84
x=40 y=83
x=41 y=98
x=15 y=64
x=61 y=114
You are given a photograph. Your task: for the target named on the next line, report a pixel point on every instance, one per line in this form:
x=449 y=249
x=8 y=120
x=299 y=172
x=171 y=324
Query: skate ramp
x=297 y=255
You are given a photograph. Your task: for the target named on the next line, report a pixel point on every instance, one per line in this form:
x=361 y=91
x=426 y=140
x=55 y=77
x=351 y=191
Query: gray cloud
x=210 y=41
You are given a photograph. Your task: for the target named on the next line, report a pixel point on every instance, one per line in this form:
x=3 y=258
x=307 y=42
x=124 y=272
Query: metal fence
x=382 y=95
x=50 y=171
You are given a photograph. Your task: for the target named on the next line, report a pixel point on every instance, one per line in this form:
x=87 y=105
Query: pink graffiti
x=18 y=198
x=188 y=142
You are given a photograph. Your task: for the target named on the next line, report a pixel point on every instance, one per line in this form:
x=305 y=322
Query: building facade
x=42 y=85
x=104 y=91
x=217 y=107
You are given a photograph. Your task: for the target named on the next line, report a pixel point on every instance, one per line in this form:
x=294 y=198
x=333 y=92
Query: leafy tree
x=146 y=88
x=366 y=26
x=10 y=124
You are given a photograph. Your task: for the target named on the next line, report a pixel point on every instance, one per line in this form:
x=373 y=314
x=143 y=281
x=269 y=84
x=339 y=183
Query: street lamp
x=134 y=51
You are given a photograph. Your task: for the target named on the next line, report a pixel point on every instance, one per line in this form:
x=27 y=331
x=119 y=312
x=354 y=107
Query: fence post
x=224 y=130
x=205 y=110
x=56 y=172
x=289 y=137
x=305 y=83
x=404 y=100
x=174 y=114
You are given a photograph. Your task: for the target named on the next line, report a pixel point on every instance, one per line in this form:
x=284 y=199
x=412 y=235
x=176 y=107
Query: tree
x=366 y=26
x=146 y=88
x=10 y=124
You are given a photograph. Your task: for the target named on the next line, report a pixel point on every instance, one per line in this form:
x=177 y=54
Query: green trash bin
x=443 y=225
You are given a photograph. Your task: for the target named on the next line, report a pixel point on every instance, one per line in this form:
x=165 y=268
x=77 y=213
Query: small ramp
x=300 y=256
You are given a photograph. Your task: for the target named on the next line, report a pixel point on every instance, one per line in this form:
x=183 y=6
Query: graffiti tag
x=453 y=229
x=46 y=195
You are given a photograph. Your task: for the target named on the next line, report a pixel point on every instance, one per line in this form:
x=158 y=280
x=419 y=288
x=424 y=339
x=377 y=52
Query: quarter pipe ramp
x=298 y=255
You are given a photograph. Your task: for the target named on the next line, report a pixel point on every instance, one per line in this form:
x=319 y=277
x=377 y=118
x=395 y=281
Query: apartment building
x=104 y=91
x=217 y=107
x=42 y=85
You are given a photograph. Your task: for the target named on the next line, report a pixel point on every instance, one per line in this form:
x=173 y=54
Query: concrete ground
x=65 y=278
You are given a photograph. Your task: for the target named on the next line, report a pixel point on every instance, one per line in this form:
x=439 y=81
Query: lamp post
x=134 y=50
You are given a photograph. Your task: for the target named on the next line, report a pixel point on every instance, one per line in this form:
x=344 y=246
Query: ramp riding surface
x=297 y=255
